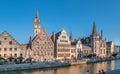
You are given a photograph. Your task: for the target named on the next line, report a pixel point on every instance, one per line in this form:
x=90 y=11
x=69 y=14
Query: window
x=64 y=37
x=51 y=53
x=37 y=47
x=10 y=55
x=104 y=51
x=15 y=55
x=51 y=47
x=101 y=51
x=5 y=49
x=41 y=47
x=10 y=42
x=10 y=49
x=5 y=38
x=5 y=55
x=15 y=49
x=45 y=42
x=21 y=54
x=0 y=42
x=63 y=40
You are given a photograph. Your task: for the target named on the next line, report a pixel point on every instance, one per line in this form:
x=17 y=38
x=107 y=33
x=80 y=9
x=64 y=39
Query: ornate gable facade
x=42 y=47
x=62 y=46
x=76 y=49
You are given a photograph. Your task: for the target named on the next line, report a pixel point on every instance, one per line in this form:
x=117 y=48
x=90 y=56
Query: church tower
x=71 y=37
x=37 y=24
x=95 y=40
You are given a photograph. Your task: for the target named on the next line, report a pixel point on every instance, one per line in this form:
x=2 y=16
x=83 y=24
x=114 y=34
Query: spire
x=37 y=16
x=94 y=29
x=102 y=33
x=71 y=37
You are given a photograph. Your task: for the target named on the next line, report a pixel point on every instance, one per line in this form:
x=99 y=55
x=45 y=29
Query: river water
x=77 y=69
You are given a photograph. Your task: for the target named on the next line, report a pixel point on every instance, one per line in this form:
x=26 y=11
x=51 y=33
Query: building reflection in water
x=77 y=69
x=112 y=65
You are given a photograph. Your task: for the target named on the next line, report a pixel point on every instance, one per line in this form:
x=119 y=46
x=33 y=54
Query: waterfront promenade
x=39 y=65
x=25 y=66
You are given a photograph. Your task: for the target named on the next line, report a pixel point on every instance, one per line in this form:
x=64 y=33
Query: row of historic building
x=57 y=46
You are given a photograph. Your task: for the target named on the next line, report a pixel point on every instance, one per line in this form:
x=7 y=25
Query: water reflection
x=78 y=69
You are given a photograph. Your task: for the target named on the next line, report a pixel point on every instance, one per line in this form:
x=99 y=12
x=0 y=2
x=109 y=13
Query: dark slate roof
x=109 y=43
x=86 y=40
x=74 y=43
x=86 y=47
x=57 y=34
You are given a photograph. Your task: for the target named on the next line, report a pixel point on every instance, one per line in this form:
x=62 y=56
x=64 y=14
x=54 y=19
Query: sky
x=76 y=16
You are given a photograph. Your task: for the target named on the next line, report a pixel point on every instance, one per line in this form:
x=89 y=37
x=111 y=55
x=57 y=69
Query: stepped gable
x=42 y=34
x=6 y=34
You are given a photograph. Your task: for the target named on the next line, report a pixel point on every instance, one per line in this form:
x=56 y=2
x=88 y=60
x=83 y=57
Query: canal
x=77 y=69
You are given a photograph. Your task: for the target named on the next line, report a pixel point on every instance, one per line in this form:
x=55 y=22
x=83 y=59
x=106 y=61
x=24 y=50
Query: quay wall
x=26 y=66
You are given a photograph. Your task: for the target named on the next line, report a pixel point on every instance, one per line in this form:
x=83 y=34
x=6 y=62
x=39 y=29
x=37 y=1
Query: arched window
x=15 y=55
x=5 y=55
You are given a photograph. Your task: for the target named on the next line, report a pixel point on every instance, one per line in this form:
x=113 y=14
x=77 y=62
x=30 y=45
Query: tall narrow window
x=15 y=49
x=5 y=49
x=10 y=42
x=15 y=55
x=5 y=38
x=5 y=55
x=10 y=55
x=10 y=49
x=0 y=42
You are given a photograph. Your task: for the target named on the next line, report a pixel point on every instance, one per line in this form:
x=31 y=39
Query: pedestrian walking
x=87 y=72
x=103 y=72
x=100 y=72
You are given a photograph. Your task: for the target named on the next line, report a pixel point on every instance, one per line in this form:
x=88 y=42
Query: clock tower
x=37 y=24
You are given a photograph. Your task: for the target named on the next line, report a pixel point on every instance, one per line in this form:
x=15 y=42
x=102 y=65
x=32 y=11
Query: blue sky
x=17 y=17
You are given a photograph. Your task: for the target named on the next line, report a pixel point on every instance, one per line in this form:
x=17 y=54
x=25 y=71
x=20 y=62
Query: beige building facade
x=86 y=50
x=9 y=47
x=110 y=48
x=76 y=49
x=96 y=43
